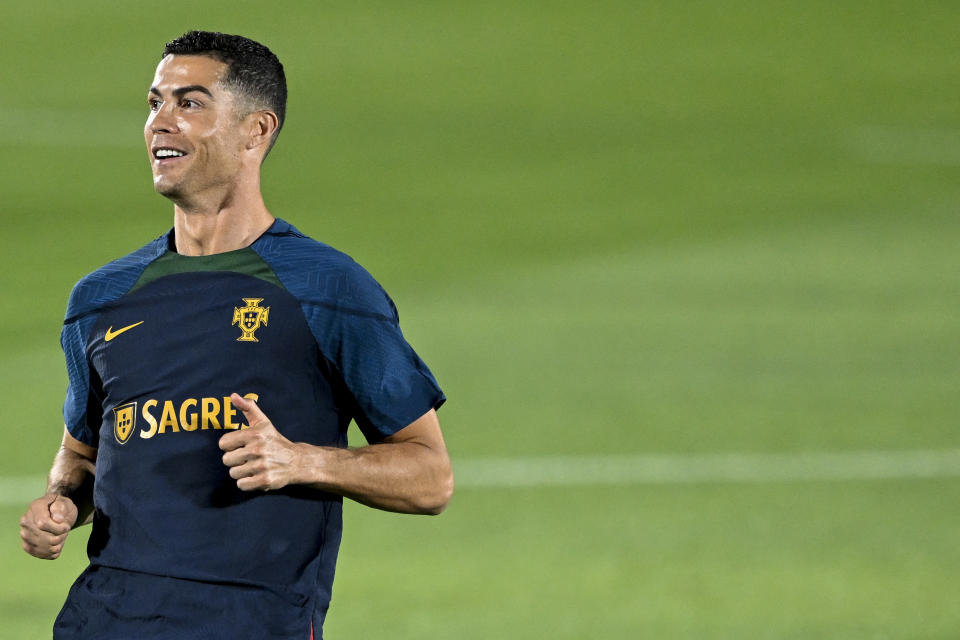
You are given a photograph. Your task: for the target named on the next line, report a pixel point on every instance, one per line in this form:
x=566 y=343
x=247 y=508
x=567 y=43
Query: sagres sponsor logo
x=160 y=417
x=124 y=417
x=249 y=318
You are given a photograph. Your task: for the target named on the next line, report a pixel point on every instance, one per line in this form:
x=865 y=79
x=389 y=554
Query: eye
x=153 y=103
x=187 y=103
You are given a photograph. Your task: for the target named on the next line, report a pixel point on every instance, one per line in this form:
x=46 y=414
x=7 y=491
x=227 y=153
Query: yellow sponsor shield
x=124 y=419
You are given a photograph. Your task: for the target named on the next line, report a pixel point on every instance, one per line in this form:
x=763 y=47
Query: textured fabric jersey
x=155 y=344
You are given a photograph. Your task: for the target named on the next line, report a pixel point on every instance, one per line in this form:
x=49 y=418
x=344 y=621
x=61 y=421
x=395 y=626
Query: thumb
x=59 y=509
x=251 y=411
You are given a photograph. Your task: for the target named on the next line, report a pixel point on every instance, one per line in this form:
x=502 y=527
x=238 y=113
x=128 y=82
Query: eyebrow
x=181 y=91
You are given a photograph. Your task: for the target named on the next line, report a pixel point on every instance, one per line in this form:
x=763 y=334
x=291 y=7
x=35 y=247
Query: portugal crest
x=249 y=318
x=124 y=417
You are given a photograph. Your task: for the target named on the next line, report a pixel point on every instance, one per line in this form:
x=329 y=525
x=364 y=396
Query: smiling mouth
x=164 y=153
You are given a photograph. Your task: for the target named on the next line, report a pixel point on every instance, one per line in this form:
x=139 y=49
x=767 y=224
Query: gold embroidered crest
x=249 y=318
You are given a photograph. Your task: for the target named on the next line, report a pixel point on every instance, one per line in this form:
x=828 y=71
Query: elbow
x=439 y=497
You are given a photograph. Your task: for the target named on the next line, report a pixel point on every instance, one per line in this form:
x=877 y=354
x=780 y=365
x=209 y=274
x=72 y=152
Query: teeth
x=168 y=153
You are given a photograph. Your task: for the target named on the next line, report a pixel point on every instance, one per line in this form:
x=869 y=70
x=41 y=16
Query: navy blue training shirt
x=155 y=344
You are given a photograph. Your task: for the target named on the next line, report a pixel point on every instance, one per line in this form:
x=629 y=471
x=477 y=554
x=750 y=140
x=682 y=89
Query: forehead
x=181 y=71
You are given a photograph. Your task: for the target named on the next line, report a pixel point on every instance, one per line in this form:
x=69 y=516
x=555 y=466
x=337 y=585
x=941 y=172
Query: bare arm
x=68 y=502
x=409 y=472
x=72 y=474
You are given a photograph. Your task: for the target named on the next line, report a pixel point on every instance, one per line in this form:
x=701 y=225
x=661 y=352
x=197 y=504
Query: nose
x=162 y=120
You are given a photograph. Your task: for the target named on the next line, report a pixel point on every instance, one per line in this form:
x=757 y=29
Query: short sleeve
x=82 y=410
x=360 y=335
x=357 y=329
x=82 y=423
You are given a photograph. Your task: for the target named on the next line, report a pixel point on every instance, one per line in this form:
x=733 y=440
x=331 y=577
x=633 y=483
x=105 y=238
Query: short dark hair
x=252 y=69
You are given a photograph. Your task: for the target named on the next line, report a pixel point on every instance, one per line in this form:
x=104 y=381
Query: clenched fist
x=45 y=525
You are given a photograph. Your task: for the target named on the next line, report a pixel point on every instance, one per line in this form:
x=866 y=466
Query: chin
x=167 y=189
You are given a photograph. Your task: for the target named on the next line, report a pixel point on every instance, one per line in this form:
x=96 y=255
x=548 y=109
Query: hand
x=259 y=457
x=45 y=525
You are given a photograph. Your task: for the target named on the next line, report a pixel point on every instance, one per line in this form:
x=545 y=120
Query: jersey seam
x=355 y=312
x=97 y=309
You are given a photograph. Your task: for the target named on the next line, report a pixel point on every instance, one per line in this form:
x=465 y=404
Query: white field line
x=67 y=128
x=19 y=490
x=905 y=145
x=705 y=468
x=651 y=469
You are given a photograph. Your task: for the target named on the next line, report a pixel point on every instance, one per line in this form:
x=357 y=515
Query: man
x=205 y=526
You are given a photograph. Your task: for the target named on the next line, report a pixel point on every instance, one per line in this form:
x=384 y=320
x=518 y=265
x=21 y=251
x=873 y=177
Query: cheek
x=225 y=143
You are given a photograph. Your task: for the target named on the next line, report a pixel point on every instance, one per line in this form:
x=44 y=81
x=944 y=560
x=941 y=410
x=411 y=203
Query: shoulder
x=317 y=274
x=112 y=280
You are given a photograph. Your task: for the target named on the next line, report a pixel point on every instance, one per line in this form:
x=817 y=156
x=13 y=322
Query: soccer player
x=212 y=376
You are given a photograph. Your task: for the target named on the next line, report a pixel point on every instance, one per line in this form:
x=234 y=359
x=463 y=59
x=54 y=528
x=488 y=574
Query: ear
x=261 y=125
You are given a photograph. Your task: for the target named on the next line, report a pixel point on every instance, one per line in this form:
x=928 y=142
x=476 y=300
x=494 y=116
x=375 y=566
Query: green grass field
x=610 y=228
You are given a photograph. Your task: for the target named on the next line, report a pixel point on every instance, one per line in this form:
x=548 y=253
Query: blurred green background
x=679 y=228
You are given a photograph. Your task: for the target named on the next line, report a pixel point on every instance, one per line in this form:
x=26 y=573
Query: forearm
x=409 y=472
x=72 y=476
x=406 y=477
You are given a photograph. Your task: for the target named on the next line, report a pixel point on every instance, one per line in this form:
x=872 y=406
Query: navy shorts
x=112 y=604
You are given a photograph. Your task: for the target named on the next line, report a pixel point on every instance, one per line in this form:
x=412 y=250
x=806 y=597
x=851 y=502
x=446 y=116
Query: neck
x=206 y=226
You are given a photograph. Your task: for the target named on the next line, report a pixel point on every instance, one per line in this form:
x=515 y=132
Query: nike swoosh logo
x=111 y=334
